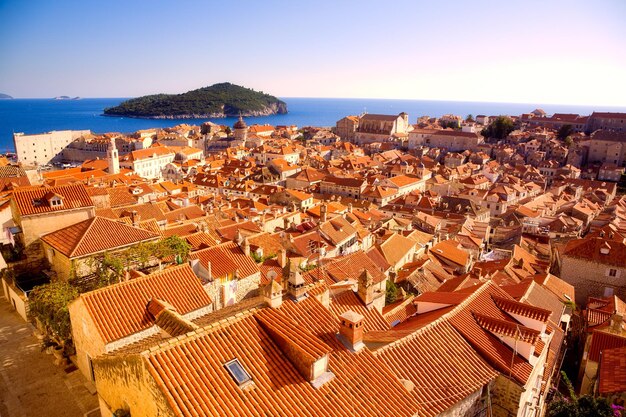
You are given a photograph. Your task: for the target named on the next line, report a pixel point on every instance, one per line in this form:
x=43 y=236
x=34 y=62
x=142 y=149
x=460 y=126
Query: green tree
x=564 y=131
x=173 y=246
x=48 y=304
x=574 y=406
x=469 y=118
x=391 y=292
x=500 y=128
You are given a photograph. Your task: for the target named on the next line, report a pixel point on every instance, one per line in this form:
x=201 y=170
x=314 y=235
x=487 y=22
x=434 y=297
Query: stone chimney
x=273 y=294
x=351 y=330
x=246 y=246
x=134 y=218
x=323 y=210
x=296 y=286
x=282 y=258
x=238 y=238
x=365 y=287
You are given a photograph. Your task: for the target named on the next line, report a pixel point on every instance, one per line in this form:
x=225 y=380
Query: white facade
x=41 y=149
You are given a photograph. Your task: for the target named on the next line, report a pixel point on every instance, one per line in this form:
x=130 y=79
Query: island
x=66 y=98
x=216 y=101
x=5 y=96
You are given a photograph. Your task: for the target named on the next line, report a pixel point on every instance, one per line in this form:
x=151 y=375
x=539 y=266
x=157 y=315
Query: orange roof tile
x=96 y=235
x=120 y=310
x=443 y=367
x=30 y=200
x=613 y=371
x=362 y=384
x=225 y=259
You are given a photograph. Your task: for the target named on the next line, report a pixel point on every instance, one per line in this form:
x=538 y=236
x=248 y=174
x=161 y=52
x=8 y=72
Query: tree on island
x=499 y=129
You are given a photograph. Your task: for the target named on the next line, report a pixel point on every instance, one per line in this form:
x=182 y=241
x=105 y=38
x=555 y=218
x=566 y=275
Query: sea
x=32 y=116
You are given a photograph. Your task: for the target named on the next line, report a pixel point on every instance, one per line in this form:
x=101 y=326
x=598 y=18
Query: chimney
x=134 y=218
x=273 y=293
x=323 y=213
x=282 y=257
x=296 y=286
x=193 y=263
x=365 y=287
x=246 y=246
x=351 y=330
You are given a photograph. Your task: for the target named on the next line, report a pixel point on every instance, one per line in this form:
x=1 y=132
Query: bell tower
x=113 y=158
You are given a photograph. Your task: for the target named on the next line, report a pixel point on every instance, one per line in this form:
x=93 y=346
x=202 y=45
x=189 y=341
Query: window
x=612 y=272
x=236 y=371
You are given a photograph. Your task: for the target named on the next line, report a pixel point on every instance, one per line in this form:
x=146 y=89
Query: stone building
x=596 y=264
x=381 y=128
x=607 y=147
x=70 y=249
x=41 y=149
x=154 y=306
x=38 y=211
x=227 y=271
x=607 y=121
x=346 y=128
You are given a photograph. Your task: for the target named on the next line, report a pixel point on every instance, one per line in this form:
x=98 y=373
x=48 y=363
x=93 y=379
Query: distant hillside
x=4 y=96
x=218 y=100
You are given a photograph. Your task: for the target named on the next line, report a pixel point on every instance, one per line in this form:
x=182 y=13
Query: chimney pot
x=351 y=330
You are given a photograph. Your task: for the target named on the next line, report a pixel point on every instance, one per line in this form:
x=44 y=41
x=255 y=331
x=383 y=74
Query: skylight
x=235 y=369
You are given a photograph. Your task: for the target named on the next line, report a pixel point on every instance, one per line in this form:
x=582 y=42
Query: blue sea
x=43 y=115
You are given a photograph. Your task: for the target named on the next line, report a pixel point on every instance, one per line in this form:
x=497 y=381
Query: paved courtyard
x=31 y=385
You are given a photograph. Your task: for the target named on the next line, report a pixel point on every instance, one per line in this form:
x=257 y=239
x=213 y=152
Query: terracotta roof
x=444 y=367
x=350 y=267
x=225 y=259
x=396 y=247
x=348 y=301
x=148 y=153
x=515 y=307
x=497 y=354
x=507 y=328
x=613 y=371
x=603 y=340
x=196 y=383
x=95 y=235
x=31 y=200
x=591 y=249
x=120 y=310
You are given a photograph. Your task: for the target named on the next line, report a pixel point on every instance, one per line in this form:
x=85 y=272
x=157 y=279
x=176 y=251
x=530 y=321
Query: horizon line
x=350 y=98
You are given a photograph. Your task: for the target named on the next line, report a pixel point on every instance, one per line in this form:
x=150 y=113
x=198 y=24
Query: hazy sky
x=528 y=51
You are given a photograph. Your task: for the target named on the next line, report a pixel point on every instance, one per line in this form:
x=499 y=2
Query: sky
x=562 y=52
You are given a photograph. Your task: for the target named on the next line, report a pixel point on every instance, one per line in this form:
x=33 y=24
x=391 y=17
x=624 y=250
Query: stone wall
x=125 y=383
x=591 y=278
x=33 y=227
x=505 y=397
x=87 y=340
x=469 y=406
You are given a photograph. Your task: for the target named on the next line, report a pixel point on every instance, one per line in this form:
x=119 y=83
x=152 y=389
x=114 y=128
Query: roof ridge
x=202 y=331
x=89 y=294
x=75 y=248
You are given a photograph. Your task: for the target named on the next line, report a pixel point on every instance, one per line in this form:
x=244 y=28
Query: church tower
x=240 y=130
x=113 y=158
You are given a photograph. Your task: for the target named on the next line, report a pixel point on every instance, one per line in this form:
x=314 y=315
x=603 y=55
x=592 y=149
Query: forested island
x=218 y=100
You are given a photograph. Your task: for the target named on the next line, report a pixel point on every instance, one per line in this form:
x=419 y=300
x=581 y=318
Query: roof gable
x=96 y=235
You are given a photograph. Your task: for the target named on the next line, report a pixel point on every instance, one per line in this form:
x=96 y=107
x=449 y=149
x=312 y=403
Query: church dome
x=240 y=124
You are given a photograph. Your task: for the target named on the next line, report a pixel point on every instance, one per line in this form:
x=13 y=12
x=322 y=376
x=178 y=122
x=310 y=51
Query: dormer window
x=238 y=373
x=53 y=199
